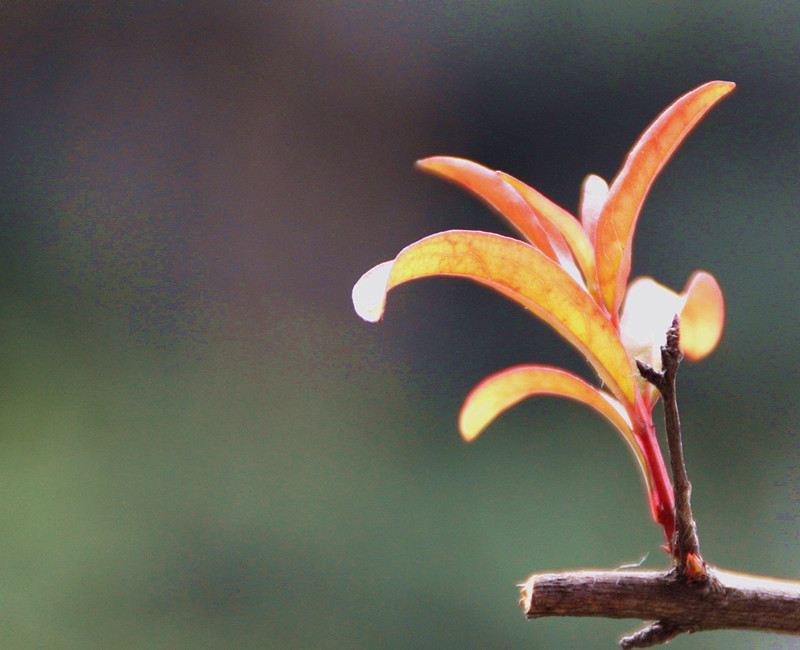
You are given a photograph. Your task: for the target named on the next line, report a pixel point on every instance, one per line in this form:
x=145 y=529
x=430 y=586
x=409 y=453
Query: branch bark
x=735 y=601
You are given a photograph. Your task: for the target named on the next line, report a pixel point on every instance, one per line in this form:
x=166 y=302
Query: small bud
x=695 y=567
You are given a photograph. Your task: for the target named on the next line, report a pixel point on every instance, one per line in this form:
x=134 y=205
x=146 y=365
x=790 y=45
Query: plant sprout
x=573 y=274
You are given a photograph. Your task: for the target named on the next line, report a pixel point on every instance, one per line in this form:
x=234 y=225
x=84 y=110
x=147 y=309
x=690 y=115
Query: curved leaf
x=702 y=316
x=518 y=271
x=369 y=293
x=501 y=391
x=647 y=314
x=568 y=226
x=505 y=389
x=650 y=307
x=617 y=220
x=492 y=188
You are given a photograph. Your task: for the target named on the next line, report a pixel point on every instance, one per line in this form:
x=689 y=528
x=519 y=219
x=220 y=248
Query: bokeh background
x=203 y=446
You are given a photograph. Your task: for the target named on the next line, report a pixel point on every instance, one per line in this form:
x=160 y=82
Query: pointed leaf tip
x=369 y=293
x=617 y=221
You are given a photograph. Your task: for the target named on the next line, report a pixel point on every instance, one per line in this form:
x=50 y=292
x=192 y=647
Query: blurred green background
x=204 y=447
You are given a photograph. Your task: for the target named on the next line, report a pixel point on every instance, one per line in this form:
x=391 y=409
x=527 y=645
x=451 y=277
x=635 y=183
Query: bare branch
x=677 y=605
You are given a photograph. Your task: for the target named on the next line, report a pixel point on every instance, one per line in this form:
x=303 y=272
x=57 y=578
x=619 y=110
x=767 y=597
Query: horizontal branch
x=729 y=600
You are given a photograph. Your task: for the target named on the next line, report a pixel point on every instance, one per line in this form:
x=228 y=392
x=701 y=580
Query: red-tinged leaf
x=491 y=188
x=617 y=221
x=503 y=390
x=569 y=227
x=518 y=271
x=702 y=316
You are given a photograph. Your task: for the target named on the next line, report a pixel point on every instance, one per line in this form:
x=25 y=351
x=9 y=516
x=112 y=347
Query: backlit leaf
x=518 y=271
x=593 y=197
x=495 y=191
x=568 y=226
x=617 y=220
x=503 y=390
x=702 y=317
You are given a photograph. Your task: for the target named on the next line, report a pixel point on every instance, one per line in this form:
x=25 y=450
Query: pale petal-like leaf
x=702 y=316
x=650 y=308
x=369 y=293
x=617 y=220
x=648 y=312
x=593 y=196
x=520 y=272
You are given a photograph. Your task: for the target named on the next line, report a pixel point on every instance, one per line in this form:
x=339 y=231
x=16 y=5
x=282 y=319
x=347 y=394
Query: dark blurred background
x=203 y=446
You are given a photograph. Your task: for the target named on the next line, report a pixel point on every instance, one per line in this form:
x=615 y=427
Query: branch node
x=655 y=377
x=654 y=634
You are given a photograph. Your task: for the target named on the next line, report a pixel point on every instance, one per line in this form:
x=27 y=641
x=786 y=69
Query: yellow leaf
x=617 y=220
x=518 y=271
x=503 y=390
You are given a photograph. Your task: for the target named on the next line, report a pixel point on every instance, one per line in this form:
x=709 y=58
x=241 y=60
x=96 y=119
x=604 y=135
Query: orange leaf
x=518 y=271
x=503 y=390
x=569 y=227
x=617 y=220
x=492 y=188
x=702 y=317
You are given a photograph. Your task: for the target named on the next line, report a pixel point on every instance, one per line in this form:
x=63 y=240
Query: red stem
x=662 y=496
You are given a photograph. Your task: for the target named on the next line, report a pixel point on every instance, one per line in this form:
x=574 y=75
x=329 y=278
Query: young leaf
x=593 y=196
x=702 y=316
x=518 y=271
x=650 y=307
x=492 y=188
x=568 y=226
x=617 y=220
x=503 y=390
